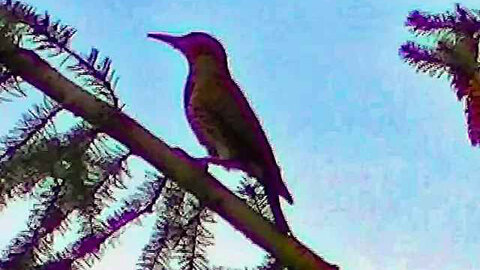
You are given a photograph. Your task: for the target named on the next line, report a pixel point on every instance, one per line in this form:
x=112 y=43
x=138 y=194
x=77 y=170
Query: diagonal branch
x=174 y=163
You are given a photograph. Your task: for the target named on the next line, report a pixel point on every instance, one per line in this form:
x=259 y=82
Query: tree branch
x=174 y=163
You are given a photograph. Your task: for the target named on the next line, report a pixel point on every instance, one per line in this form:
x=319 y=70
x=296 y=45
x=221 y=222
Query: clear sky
x=376 y=156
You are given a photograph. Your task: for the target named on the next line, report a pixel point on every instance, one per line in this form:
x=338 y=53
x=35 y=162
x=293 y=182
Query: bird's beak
x=174 y=41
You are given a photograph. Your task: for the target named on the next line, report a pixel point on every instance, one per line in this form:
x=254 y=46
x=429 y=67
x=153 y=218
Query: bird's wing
x=226 y=125
x=235 y=113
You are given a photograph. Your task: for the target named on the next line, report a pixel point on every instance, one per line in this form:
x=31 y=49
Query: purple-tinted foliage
x=425 y=60
x=465 y=25
x=421 y=22
x=64 y=264
x=120 y=221
x=461 y=83
x=416 y=54
x=473 y=119
x=81 y=134
x=44 y=219
x=90 y=244
x=35 y=120
x=52 y=32
x=53 y=222
x=462 y=21
x=466 y=22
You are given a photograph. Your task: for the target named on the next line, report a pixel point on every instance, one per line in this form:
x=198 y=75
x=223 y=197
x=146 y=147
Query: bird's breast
x=207 y=90
x=209 y=79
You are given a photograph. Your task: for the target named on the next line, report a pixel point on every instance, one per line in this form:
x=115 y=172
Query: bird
x=222 y=119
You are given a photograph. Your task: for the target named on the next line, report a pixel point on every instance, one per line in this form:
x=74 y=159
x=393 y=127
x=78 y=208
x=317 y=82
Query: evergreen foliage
x=455 y=52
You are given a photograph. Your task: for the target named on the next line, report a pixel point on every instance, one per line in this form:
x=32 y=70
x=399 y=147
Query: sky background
x=376 y=156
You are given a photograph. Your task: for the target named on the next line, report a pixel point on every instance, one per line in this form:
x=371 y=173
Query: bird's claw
x=197 y=161
x=227 y=164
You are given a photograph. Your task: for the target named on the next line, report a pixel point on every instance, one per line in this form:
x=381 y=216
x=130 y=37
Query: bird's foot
x=198 y=161
x=227 y=164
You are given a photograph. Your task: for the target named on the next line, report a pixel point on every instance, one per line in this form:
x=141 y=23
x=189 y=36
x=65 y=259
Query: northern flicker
x=222 y=119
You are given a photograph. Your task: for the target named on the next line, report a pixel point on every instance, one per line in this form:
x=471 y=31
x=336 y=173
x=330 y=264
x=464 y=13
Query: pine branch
x=180 y=227
x=104 y=80
x=67 y=151
x=91 y=243
x=423 y=58
x=167 y=228
x=157 y=251
x=195 y=239
x=270 y=263
x=10 y=83
x=56 y=38
x=254 y=195
x=31 y=124
x=25 y=169
x=456 y=53
x=104 y=171
x=461 y=21
x=22 y=252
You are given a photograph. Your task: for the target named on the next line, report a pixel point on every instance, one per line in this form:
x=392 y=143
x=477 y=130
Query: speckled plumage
x=222 y=119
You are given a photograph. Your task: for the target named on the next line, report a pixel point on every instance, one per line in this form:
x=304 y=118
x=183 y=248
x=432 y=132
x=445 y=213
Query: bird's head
x=193 y=45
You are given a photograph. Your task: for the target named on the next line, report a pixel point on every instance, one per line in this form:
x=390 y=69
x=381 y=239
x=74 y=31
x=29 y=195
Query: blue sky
x=376 y=155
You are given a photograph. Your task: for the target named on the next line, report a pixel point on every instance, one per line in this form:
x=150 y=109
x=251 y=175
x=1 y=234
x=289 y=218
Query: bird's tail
x=275 y=187
x=280 y=187
x=278 y=216
x=283 y=191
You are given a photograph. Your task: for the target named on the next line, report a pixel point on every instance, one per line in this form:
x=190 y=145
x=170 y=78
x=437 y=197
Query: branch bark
x=173 y=162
